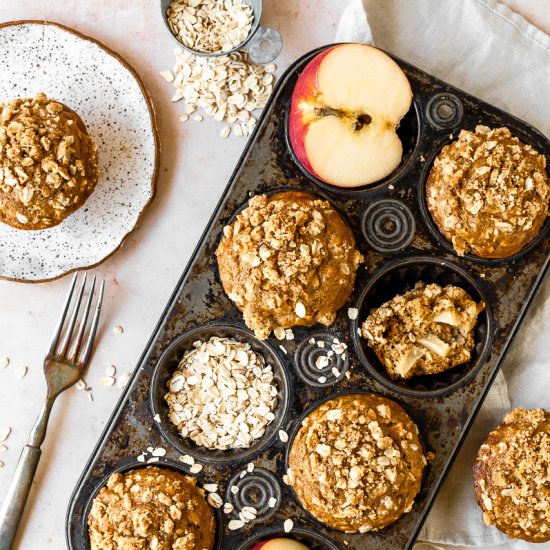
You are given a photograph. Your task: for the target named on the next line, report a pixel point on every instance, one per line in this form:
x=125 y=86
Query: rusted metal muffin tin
x=401 y=244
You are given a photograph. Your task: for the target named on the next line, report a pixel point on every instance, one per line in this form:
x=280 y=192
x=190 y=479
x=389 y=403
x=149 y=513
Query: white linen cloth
x=484 y=48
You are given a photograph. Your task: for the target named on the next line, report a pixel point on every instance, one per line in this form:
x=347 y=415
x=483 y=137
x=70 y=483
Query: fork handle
x=18 y=492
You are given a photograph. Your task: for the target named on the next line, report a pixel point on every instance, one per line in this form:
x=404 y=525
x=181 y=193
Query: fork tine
x=57 y=332
x=83 y=320
x=70 y=327
x=93 y=328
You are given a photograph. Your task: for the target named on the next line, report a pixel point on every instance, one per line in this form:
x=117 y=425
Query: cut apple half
x=344 y=114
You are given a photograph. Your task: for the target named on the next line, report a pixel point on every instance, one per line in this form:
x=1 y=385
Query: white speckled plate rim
x=77 y=232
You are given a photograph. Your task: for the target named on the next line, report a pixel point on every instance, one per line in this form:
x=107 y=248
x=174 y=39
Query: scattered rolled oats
x=186 y=459
x=118 y=330
x=107 y=381
x=235 y=524
x=222 y=396
x=228 y=508
x=210 y=487
x=288 y=525
x=159 y=451
x=228 y=88
x=123 y=381
x=225 y=131
x=272 y=502
x=353 y=312
x=196 y=468
x=81 y=385
x=215 y=500
x=21 y=373
x=110 y=371
x=283 y=436
x=153 y=459
x=167 y=75
x=4 y=362
x=4 y=433
x=156 y=418
x=209 y=25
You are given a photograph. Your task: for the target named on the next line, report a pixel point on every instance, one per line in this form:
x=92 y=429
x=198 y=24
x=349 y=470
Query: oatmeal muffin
x=488 y=193
x=48 y=162
x=427 y=330
x=512 y=476
x=151 y=508
x=356 y=463
x=288 y=259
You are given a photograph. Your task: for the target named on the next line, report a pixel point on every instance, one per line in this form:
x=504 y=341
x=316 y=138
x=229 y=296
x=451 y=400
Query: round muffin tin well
x=434 y=230
x=312 y=540
x=132 y=466
x=169 y=362
x=409 y=132
x=399 y=277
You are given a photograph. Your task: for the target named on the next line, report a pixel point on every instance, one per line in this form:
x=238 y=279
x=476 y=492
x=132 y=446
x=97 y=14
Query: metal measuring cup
x=262 y=44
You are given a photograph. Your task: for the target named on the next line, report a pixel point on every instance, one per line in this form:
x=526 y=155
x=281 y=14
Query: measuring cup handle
x=265 y=46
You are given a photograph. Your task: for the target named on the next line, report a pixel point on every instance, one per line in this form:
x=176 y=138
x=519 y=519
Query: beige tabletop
x=141 y=276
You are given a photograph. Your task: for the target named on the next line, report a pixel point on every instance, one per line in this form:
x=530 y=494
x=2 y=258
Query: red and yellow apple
x=280 y=544
x=345 y=110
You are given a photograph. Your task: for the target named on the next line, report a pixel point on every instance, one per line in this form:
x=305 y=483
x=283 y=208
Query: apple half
x=345 y=110
x=280 y=544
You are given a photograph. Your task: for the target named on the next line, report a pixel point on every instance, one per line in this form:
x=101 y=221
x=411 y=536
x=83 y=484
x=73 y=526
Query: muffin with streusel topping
x=151 y=508
x=356 y=463
x=488 y=193
x=288 y=259
x=512 y=476
x=48 y=162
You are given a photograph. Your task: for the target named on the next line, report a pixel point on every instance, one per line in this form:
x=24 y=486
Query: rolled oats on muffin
x=512 y=476
x=288 y=259
x=356 y=463
x=151 y=508
x=48 y=162
x=427 y=330
x=488 y=193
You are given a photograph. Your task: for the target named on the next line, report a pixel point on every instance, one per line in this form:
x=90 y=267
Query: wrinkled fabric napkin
x=484 y=48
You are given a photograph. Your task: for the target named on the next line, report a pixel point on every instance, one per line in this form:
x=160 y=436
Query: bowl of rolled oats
x=215 y=28
x=219 y=393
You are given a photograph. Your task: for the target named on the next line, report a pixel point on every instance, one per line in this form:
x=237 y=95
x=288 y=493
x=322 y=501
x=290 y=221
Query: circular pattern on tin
x=310 y=539
x=388 y=225
x=133 y=465
x=397 y=278
x=255 y=489
x=169 y=362
x=444 y=111
x=317 y=361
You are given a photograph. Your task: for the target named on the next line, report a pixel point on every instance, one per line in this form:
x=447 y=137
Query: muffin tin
x=401 y=245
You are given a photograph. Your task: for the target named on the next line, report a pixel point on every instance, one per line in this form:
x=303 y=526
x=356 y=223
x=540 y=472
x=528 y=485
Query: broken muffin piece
x=427 y=330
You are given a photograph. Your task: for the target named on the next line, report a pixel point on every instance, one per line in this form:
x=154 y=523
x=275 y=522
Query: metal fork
x=64 y=365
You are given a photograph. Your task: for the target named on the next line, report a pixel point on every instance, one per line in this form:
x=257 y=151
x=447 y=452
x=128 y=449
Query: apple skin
x=306 y=87
x=280 y=544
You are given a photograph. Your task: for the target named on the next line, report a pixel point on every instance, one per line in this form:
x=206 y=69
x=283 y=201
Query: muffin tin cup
x=409 y=131
x=445 y=243
x=311 y=539
x=380 y=218
x=318 y=403
x=397 y=278
x=169 y=362
x=134 y=466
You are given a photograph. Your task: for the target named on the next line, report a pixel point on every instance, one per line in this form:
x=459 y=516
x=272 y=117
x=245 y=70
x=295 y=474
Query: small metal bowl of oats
x=211 y=28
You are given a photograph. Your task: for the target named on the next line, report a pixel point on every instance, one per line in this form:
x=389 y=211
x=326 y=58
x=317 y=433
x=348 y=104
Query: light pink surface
x=140 y=277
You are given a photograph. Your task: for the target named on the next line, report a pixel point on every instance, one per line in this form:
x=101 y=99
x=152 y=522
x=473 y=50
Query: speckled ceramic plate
x=113 y=103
